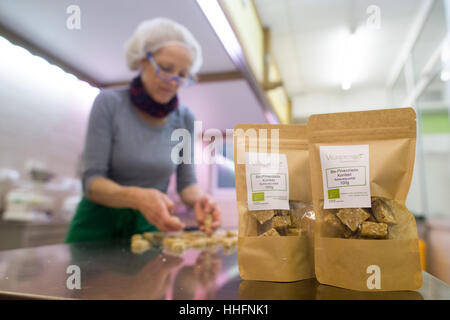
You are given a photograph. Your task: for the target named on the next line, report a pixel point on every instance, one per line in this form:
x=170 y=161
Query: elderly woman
x=127 y=157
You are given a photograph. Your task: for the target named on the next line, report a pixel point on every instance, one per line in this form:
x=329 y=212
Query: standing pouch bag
x=371 y=248
x=275 y=245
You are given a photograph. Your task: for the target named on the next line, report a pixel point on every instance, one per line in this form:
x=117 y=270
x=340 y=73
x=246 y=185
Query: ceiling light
x=45 y=73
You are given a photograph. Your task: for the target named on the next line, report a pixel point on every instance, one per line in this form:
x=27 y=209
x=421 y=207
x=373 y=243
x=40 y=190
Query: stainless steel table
x=112 y=271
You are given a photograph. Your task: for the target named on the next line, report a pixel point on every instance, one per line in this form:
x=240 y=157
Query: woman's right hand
x=157 y=208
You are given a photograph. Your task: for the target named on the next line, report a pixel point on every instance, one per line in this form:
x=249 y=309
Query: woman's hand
x=157 y=208
x=207 y=206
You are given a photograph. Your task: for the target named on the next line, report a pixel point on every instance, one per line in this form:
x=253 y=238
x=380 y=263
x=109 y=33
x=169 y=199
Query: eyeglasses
x=167 y=75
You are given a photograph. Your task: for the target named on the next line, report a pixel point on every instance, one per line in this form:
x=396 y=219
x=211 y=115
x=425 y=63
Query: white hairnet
x=152 y=35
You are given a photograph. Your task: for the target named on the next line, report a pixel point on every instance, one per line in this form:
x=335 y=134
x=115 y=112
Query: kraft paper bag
x=274 y=245
x=373 y=247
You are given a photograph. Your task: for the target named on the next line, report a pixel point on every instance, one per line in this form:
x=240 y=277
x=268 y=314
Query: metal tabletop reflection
x=112 y=271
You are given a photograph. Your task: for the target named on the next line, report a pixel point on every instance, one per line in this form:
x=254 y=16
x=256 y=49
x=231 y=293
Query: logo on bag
x=374 y=281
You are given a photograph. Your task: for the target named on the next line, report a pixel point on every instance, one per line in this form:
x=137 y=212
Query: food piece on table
x=136 y=236
x=210 y=241
x=199 y=243
x=231 y=233
x=229 y=242
x=271 y=233
x=178 y=246
x=382 y=212
x=157 y=238
x=374 y=230
x=352 y=217
x=139 y=246
x=148 y=236
x=168 y=241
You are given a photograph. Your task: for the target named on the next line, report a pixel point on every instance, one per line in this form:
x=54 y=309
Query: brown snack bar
x=382 y=211
x=374 y=230
x=352 y=217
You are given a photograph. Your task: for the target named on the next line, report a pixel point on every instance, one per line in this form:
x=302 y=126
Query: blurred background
x=265 y=61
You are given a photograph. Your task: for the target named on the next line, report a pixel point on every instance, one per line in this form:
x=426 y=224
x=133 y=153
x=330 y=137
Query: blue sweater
x=121 y=146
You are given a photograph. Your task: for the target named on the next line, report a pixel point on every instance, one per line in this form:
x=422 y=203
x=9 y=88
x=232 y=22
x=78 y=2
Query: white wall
x=337 y=101
x=42 y=116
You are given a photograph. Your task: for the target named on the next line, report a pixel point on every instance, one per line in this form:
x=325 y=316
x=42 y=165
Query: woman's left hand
x=207 y=206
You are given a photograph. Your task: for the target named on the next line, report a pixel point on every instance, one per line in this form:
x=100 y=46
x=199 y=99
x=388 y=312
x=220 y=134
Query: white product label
x=346 y=179
x=267 y=181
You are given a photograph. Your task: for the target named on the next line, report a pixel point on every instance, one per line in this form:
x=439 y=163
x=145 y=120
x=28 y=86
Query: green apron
x=94 y=222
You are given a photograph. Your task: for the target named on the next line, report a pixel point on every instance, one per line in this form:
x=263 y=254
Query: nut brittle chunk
x=382 y=212
x=374 y=230
x=264 y=215
x=352 y=217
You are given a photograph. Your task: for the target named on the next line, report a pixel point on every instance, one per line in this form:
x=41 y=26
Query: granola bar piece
x=382 y=212
x=167 y=242
x=139 y=246
x=374 y=230
x=229 y=242
x=136 y=236
x=352 y=217
x=199 y=243
x=231 y=233
x=178 y=245
x=210 y=241
x=271 y=233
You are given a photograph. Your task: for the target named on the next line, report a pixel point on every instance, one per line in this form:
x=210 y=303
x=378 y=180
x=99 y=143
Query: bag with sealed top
x=361 y=170
x=273 y=191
